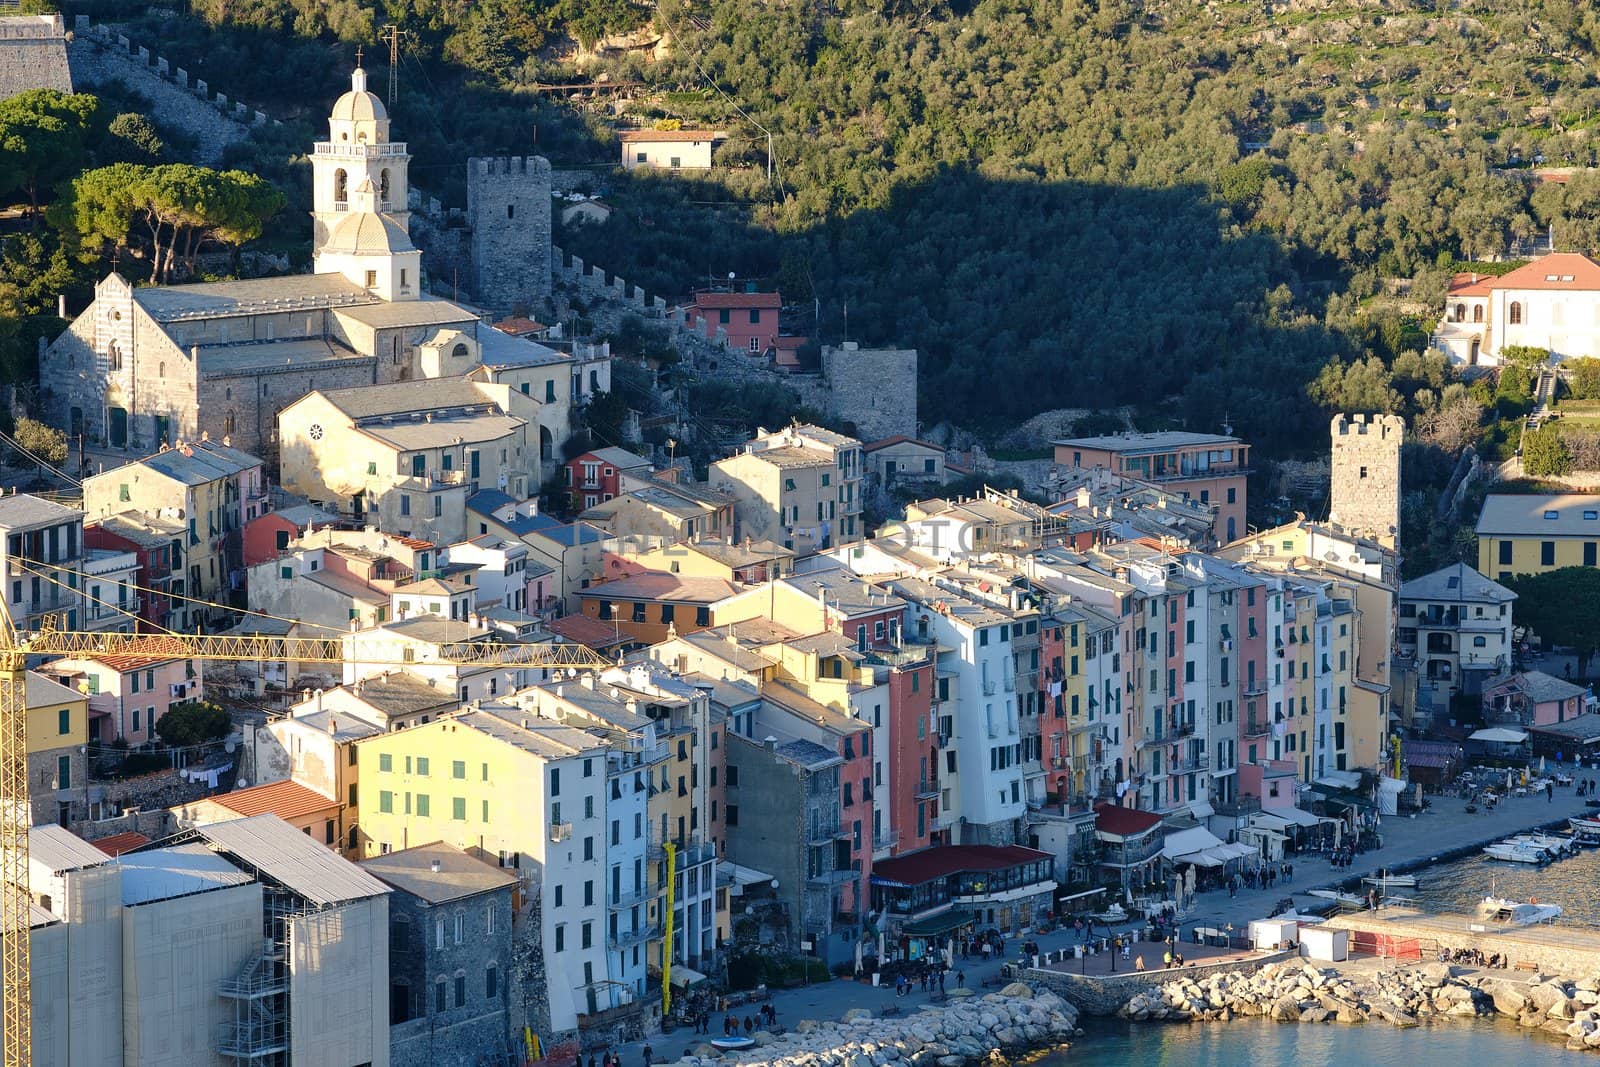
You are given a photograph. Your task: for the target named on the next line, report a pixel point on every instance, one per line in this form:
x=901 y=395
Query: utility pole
x=392 y=34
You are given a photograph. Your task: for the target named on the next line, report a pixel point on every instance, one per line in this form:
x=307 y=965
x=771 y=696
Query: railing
x=885 y=839
x=1189 y=764
x=345 y=148
x=1257 y=727
x=834 y=877
x=927 y=788
x=629 y=897
x=629 y=938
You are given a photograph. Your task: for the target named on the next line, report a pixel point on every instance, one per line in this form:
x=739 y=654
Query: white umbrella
x=949 y=952
x=880 y=948
x=858 y=955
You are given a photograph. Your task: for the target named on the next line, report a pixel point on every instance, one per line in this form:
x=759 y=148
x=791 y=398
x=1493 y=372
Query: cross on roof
x=359 y=49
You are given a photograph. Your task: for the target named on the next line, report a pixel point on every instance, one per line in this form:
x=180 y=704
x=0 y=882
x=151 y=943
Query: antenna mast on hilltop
x=392 y=34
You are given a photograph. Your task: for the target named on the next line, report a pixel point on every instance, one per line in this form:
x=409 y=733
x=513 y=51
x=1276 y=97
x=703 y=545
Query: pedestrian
x=1233 y=890
x=749 y=1026
x=591 y=1060
x=1166 y=958
x=941 y=982
x=1138 y=962
x=1550 y=792
x=961 y=979
x=649 y=1055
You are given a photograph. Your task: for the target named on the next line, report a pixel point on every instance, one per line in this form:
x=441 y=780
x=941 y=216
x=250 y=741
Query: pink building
x=129 y=694
x=1271 y=781
x=268 y=536
x=749 y=320
x=1531 y=698
x=913 y=759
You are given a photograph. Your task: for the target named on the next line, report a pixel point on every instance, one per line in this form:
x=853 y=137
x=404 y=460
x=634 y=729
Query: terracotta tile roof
x=1471 y=285
x=288 y=800
x=586 y=631
x=625 y=136
x=1559 y=270
x=901 y=439
x=158 y=650
x=1114 y=819
x=737 y=300
x=940 y=861
x=660 y=585
x=117 y=844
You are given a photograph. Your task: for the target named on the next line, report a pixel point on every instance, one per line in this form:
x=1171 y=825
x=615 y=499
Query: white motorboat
x=1516 y=913
x=732 y=1044
x=1583 y=824
x=1512 y=853
x=1556 y=845
x=1392 y=881
x=1347 y=899
x=1112 y=915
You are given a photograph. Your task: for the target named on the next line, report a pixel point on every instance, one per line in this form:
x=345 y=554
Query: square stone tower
x=1365 y=497
x=508 y=210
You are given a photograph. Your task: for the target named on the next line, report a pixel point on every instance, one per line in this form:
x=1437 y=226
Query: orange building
x=652 y=605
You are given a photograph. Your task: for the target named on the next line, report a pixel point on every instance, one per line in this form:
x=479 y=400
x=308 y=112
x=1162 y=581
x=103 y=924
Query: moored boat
x=1392 y=881
x=1514 y=853
x=1517 y=913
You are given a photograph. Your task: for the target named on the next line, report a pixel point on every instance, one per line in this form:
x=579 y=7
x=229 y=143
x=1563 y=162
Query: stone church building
x=147 y=366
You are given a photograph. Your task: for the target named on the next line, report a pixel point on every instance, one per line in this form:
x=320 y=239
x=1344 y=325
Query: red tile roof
x=1471 y=285
x=940 y=861
x=590 y=632
x=716 y=301
x=900 y=439
x=626 y=136
x=1559 y=270
x=288 y=800
x=154 y=649
x=117 y=844
x=1124 y=822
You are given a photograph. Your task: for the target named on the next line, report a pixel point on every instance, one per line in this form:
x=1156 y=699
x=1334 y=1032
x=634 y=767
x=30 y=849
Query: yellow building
x=530 y=792
x=746 y=561
x=58 y=731
x=1542 y=532
x=407 y=455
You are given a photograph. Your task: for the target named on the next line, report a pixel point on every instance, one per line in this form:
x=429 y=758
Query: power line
x=40 y=460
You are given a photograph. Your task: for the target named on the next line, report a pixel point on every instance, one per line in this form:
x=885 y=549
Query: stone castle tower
x=1365 y=497
x=508 y=213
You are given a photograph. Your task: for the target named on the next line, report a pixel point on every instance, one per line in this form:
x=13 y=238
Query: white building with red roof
x=1551 y=303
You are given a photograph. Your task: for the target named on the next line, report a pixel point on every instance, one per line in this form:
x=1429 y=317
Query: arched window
x=341 y=187
x=114 y=354
x=1461 y=313
x=459 y=352
x=1516 y=313
x=383 y=187
x=1477 y=312
x=227 y=424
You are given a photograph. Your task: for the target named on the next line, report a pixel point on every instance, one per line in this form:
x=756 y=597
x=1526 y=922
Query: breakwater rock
x=1303 y=993
x=964 y=1031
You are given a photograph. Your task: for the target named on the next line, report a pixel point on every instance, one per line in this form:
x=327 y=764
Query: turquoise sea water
x=1260 y=1043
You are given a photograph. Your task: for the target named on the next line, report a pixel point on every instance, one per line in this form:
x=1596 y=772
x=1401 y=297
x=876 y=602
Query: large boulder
x=1507 y=999
x=1285 y=1010
x=1017 y=989
x=856 y=1015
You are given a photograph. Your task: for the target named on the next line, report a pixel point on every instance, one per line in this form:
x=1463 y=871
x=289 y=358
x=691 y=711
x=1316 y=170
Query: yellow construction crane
x=15 y=650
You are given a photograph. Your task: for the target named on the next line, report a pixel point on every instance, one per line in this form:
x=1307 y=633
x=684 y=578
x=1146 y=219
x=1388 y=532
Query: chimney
x=61 y=306
x=770 y=743
x=333 y=725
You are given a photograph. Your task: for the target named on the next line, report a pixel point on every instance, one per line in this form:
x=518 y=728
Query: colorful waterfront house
x=1131 y=843
x=1209 y=468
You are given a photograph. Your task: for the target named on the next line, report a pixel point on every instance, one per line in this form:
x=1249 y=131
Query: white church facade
x=1552 y=303
x=147 y=366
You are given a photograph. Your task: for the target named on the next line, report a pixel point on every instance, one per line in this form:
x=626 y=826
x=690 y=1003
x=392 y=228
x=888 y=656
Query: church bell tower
x=357 y=151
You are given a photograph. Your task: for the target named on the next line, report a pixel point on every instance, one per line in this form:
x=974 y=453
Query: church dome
x=367 y=233
x=358 y=107
x=358 y=115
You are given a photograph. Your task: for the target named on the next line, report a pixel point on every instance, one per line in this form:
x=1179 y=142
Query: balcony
x=988 y=687
x=835 y=877
x=1189 y=764
x=629 y=938
x=1257 y=726
x=927 y=789
x=885 y=839
x=560 y=831
x=367 y=151
x=1435 y=619
x=630 y=897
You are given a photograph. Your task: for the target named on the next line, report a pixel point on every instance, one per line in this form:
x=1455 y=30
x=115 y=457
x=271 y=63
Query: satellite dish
x=242 y=783
x=229 y=746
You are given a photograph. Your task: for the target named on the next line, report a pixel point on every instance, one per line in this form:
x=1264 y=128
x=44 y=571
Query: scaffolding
x=259 y=1033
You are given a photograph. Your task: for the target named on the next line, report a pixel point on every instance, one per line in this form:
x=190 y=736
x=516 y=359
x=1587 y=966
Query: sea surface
x=1461 y=884
x=1261 y=1043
